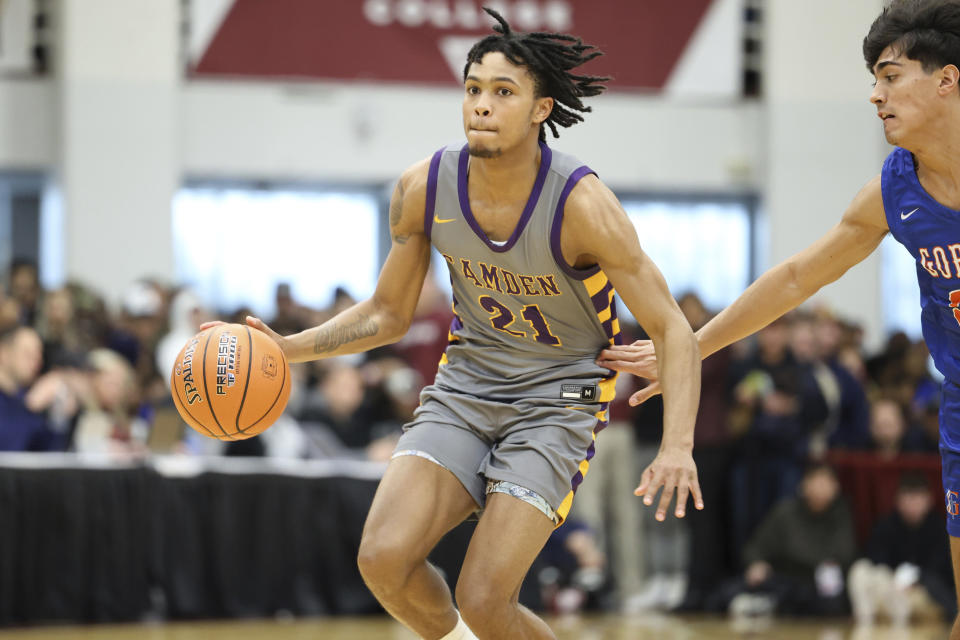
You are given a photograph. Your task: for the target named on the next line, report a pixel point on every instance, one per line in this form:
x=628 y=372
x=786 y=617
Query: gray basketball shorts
x=543 y=445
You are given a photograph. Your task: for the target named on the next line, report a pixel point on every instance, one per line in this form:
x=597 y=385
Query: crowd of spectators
x=777 y=534
x=76 y=375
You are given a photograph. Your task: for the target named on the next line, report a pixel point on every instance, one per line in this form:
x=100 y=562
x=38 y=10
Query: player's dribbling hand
x=675 y=471
x=638 y=358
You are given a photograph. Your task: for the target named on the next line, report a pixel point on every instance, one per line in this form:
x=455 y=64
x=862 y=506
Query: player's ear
x=949 y=79
x=542 y=109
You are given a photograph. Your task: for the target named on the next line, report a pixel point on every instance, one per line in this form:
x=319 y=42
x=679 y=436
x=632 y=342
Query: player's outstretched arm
x=596 y=230
x=787 y=285
x=782 y=288
x=385 y=316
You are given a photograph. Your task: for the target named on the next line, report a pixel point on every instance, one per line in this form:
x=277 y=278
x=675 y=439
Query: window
x=234 y=245
x=701 y=247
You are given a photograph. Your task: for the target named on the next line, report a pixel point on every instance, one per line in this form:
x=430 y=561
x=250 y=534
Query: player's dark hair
x=927 y=31
x=549 y=58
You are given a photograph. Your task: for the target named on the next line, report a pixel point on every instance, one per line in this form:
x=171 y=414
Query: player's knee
x=384 y=565
x=478 y=598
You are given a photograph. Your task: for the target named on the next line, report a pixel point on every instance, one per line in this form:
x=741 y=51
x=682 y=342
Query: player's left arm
x=596 y=230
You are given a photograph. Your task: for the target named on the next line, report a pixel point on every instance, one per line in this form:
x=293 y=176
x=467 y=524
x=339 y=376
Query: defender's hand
x=675 y=471
x=638 y=358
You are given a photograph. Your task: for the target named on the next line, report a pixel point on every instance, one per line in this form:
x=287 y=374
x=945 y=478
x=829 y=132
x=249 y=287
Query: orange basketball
x=230 y=382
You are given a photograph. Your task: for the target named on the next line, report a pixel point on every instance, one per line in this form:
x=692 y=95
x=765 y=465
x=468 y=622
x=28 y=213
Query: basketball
x=230 y=382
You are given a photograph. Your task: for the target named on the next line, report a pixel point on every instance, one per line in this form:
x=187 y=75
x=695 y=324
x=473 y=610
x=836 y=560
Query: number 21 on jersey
x=501 y=317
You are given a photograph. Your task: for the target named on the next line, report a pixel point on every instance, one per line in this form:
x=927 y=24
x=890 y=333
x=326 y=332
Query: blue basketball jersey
x=931 y=233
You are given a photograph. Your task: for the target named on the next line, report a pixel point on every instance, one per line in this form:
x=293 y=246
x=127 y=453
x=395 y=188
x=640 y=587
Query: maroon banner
x=426 y=41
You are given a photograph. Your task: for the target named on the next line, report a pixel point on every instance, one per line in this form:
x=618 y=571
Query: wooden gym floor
x=646 y=627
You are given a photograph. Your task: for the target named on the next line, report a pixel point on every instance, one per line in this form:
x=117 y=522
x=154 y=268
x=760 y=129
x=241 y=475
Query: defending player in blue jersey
x=913 y=51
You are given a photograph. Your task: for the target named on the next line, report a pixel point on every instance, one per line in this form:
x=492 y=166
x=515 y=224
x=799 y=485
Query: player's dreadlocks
x=548 y=57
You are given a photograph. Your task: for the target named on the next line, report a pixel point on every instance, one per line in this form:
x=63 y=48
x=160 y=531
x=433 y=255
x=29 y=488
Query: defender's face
x=907 y=98
x=500 y=107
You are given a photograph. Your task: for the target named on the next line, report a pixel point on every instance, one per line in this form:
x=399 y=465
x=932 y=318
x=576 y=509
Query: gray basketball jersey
x=527 y=324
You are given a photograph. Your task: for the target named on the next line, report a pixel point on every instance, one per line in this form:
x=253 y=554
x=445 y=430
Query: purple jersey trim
x=578 y=274
x=601 y=299
x=432 y=176
x=618 y=336
x=545 y=157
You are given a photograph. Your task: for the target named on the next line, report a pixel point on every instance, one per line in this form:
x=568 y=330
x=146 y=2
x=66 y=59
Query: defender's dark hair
x=927 y=31
x=548 y=57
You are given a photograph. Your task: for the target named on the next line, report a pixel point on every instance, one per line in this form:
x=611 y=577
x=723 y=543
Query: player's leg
x=955 y=555
x=417 y=502
x=508 y=538
x=950 y=476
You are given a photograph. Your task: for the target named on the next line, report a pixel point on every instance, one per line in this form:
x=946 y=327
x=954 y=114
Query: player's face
x=500 y=107
x=907 y=98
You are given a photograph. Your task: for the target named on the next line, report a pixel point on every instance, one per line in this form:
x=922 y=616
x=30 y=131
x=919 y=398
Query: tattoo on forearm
x=331 y=338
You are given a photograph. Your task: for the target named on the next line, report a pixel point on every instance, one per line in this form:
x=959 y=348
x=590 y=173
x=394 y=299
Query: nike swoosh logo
x=904 y=216
x=439 y=221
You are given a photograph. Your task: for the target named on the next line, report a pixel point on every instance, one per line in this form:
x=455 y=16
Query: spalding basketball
x=230 y=382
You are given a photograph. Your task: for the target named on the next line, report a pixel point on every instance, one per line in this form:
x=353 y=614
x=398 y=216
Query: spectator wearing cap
x=136 y=334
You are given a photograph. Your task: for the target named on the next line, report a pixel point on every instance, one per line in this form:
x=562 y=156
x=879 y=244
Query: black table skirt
x=84 y=540
x=96 y=545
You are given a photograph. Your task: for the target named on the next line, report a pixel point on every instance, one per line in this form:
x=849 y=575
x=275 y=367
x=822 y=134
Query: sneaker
x=863 y=593
x=752 y=605
x=648 y=598
x=674 y=589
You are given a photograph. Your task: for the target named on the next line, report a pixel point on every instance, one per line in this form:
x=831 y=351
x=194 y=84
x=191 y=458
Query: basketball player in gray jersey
x=536 y=247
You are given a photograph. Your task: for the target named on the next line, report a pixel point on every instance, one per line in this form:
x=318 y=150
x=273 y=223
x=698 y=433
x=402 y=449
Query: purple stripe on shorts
x=576 y=481
x=579 y=274
x=432 y=175
x=546 y=156
x=591 y=450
